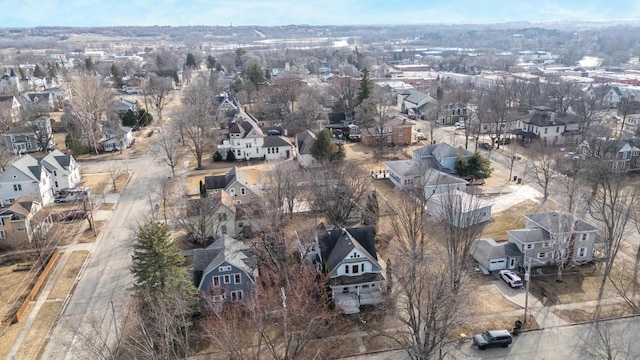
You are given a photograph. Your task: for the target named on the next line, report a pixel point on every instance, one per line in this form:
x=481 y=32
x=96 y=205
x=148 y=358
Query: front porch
x=350 y=298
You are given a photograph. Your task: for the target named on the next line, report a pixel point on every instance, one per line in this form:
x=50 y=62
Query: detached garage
x=493 y=256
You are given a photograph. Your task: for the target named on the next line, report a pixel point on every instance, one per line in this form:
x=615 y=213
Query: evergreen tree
x=89 y=66
x=22 y=73
x=255 y=75
x=191 y=62
x=157 y=262
x=474 y=168
x=217 y=157
x=371 y=213
x=323 y=149
x=117 y=75
x=366 y=87
x=52 y=70
x=211 y=62
x=38 y=72
x=231 y=156
x=203 y=190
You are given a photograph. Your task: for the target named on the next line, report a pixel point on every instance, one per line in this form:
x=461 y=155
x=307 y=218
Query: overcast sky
x=29 y=13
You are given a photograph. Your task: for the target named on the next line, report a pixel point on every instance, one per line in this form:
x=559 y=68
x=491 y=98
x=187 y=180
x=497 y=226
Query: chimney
x=553 y=117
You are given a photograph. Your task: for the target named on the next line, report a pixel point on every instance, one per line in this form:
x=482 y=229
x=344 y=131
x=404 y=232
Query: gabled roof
x=487 y=249
x=212 y=201
x=336 y=244
x=406 y=168
x=434 y=177
x=559 y=222
x=57 y=160
x=444 y=150
x=225 y=249
x=226 y=180
x=29 y=166
x=416 y=97
x=529 y=235
x=304 y=140
x=550 y=119
x=276 y=141
x=20 y=209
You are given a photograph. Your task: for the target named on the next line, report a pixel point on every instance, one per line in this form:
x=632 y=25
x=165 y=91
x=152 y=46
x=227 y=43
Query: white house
x=405 y=174
x=26 y=177
x=65 y=170
x=550 y=127
x=459 y=208
x=237 y=183
x=304 y=142
x=245 y=139
x=441 y=156
x=277 y=148
x=116 y=137
x=436 y=182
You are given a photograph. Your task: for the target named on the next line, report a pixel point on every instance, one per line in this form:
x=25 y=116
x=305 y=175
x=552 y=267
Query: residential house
x=436 y=182
x=116 y=137
x=59 y=96
x=552 y=128
x=277 y=147
x=441 y=156
x=414 y=102
x=20 y=221
x=224 y=272
x=65 y=170
x=350 y=258
x=44 y=99
x=236 y=183
x=619 y=155
x=406 y=174
x=214 y=215
x=245 y=139
x=452 y=113
x=614 y=96
x=26 y=177
x=551 y=237
x=29 y=137
x=459 y=209
x=304 y=142
x=9 y=109
x=9 y=82
x=226 y=105
x=397 y=131
x=124 y=105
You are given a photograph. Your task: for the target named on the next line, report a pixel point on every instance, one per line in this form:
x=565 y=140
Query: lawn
x=586 y=313
x=37 y=335
x=69 y=275
x=508 y=220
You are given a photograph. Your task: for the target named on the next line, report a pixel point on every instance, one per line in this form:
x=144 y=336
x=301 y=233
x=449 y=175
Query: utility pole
x=115 y=323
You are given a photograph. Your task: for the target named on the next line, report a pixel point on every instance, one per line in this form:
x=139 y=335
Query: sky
x=30 y=13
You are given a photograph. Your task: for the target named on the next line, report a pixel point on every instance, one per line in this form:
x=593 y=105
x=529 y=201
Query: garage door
x=498 y=264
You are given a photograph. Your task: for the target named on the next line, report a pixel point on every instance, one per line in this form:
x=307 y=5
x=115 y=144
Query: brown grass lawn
x=69 y=275
x=89 y=236
x=14 y=285
x=587 y=313
x=58 y=139
x=64 y=232
x=96 y=182
x=579 y=284
x=121 y=181
x=8 y=333
x=107 y=206
x=38 y=333
x=508 y=220
x=486 y=299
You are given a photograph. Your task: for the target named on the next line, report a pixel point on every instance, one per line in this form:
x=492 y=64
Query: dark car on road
x=493 y=338
x=486 y=146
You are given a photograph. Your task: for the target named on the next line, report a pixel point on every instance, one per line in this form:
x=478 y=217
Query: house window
x=242 y=191
x=542 y=255
x=528 y=246
x=238 y=201
x=346 y=269
x=255 y=141
x=355 y=268
x=56 y=183
x=237 y=279
x=216 y=281
x=17 y=187
x=268 y=150
x=224 y=268
x=226 y=279
x=236 y=295
x=1 y=221
x=2 y=234
x=582 y=252
x=557 y=129
x=239 y=153
x=345 y=290
x=240 y=224
x=583 y=237
x=232 y=192
x=28 y=145
x=545 y=130
x=546 y=244
x=55 y=173
x=224 y=229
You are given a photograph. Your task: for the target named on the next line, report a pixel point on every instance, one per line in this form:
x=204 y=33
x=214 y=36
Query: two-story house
x=211 y=217
x=452 y=113
x=116 y=137
x=617 y=155
x=245 y=139
x=441 y=156
x=9 y=109
x=552 y=128
x=397 y=131
x=26 y=177
x=29 y=137
x=65 y=170
x=224 y=272
x=236 y=183
x=457 y=208
x=349 y=257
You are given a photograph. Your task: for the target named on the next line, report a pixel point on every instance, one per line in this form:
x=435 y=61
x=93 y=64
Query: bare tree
x=499 y=103
x=338 y=190
x=114 y=174
x=196 y=122
x=204 y=219
x=543 y=164
x=92 y=101
x=6 y=157
x=165 y=147
x=158 y=91
x=376 y=112
x=344 y=89
x=308 y=109
x=232 y=333
x=561 y=93
x=603 y=342
x=428 y=306
x=284 y=188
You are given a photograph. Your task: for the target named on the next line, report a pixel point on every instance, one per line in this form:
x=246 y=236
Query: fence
x=38 y=285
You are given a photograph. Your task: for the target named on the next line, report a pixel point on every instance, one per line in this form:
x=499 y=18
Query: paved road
x=561 y=343
x=107 y=275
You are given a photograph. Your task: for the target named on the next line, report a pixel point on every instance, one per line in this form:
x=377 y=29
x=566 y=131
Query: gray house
x=225 y=271
x=30 y=137
x=548 y=238
x=236 y=183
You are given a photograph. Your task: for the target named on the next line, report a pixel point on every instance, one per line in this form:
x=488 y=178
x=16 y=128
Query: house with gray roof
x=441 y=156
x=436 y=182
x=406 y=174
x=618 y=155
x=224 y=272
x=65 y=170
x=457 y=208
x=236 y=183
x=493 y=256
x=276 y=147
x=413 y=101
x=29 y=137
x=350 y=258
x=304 y=142
x=244 y=138
x=552 y=128
x=26 y=177
x=20 y=221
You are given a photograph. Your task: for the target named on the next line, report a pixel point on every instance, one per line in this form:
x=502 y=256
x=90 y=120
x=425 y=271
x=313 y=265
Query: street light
x=527 y=278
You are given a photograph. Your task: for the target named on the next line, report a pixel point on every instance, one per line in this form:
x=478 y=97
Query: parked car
x=459 y=125
x=511 y=278
x=493 y=338
x=486 y=146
